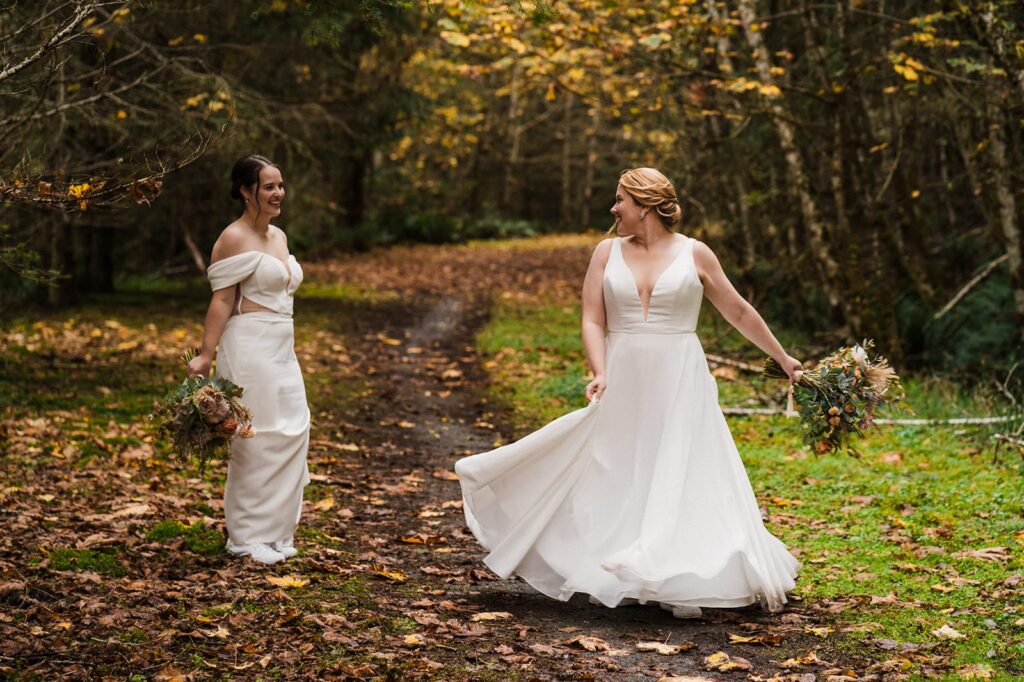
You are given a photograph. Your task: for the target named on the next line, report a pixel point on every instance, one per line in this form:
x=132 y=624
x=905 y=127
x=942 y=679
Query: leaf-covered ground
x=112 y=562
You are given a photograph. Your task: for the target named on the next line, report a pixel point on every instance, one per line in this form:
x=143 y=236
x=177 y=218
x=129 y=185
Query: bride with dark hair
x=641 y=496
x=254 y=279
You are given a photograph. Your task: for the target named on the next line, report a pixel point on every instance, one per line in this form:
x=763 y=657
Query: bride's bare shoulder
x=231 y=242
x=601 y=251
x=702 y=253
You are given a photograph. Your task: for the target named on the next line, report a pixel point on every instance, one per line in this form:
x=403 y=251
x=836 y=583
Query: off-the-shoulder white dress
x=266 y=473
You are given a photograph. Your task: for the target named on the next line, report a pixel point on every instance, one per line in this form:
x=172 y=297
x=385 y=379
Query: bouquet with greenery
x=202 y=416
x=837 y=398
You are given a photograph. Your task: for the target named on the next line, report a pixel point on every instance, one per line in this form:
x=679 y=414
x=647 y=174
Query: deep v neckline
x=645 y=311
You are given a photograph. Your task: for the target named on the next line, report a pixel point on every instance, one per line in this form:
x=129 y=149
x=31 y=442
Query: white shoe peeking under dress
x=625 y=601
x=683 y=611
x=285 y=548
x=260 y=552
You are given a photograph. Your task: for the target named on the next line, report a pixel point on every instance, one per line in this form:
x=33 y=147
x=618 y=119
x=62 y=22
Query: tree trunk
x=60 y=259
x=515 y=133
x=592 y=156
x=826 y=265
x=100 y=263
x=1008 y=216
x=567 y=163
x=749 y=250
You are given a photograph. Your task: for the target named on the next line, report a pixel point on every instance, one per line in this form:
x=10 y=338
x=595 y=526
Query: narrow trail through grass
x=111 y=563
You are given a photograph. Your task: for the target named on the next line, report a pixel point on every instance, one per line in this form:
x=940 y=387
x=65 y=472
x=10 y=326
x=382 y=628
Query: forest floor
x=111 y=556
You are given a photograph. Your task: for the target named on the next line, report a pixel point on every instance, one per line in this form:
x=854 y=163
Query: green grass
x=100 y=561
x=892 y=522
x=199 y=537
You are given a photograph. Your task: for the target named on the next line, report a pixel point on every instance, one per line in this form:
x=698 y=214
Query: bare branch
x=62 y=36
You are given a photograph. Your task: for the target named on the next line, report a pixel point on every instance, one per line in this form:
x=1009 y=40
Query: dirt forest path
x=112 y=563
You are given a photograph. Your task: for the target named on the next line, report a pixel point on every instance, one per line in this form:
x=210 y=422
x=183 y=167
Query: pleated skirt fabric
x=266 y=473
x=642 y=495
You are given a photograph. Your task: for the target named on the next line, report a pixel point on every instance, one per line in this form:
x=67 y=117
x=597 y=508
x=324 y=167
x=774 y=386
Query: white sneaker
x=286 y=548
x=260 y=552
x=682 y=611
x=625 y=601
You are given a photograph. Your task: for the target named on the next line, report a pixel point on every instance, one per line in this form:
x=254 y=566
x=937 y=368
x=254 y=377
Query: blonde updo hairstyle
x=651 y=189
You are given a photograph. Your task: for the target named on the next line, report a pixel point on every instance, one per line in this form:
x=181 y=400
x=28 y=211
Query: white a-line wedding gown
x=642 y=495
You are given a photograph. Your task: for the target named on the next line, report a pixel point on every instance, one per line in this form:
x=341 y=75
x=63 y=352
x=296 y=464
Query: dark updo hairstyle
x=246 y=173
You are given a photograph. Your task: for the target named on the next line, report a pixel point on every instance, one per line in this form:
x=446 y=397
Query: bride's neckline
x=646 y=309
x=265 y=253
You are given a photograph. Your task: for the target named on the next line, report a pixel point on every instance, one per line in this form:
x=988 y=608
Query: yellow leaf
x=915 y=194
x=590 y=643
x=947 y=632
x=195 y=100
x=324 y=504
x=121 y=114
x=387 y=341
x=396 y=576
x=80 y=190
x=491 y=615
x=287 y=581
x=769 y=90
x=723 y=662
x=975 y=671
x=810 y=659
x=423 y=539
x=664 y=649
x=199 y=38
x=818 y=632
x=413 y=640
x=455 y=38
x=905 y=71
x=945 y=589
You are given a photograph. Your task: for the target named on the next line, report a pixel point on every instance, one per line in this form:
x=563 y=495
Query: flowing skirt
x=642 y=495
x=266 y=473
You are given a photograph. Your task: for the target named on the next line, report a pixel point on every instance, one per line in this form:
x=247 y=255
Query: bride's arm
x=221 y=303
x=594 y=319
x=737 y=311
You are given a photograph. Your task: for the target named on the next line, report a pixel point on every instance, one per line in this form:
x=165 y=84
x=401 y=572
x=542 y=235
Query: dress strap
x=232 y=270
x=617 y=246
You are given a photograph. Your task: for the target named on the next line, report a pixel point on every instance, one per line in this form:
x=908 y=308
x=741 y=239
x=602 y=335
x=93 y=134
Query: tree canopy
x=855 y=165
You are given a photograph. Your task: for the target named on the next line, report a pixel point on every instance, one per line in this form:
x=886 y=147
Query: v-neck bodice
x=675 y=299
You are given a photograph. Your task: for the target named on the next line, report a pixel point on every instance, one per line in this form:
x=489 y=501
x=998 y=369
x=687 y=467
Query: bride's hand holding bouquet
x=837 y=399
x=203 y=415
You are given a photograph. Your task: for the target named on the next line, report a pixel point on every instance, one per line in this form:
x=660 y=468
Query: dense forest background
x=855 y=164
